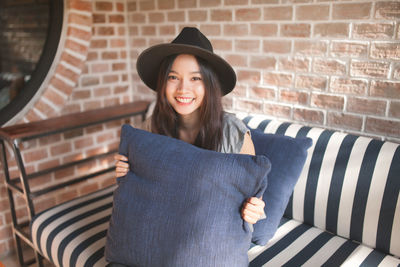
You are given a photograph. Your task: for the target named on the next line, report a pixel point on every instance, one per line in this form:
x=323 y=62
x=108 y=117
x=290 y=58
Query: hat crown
x=192 y=36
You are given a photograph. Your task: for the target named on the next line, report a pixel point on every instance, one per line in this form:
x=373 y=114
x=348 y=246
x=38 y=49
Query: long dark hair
x=165 y=119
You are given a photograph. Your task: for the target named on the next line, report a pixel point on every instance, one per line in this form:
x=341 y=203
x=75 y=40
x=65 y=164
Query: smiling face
x=185 y=87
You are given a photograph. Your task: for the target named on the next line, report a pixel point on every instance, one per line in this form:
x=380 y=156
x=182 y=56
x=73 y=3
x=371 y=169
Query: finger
x=249 y=219
x=120 y=157
x=122 y=164
x=253 y=211
x=122 y=170
x=256 y=201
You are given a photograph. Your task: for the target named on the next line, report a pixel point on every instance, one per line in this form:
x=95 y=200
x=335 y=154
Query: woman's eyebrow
x=193 y=72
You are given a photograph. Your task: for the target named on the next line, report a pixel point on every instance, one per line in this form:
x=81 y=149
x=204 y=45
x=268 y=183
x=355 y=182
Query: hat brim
x=149 y=61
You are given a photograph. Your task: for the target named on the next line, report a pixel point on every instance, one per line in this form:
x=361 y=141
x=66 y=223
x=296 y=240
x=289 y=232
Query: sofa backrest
x=349 y=185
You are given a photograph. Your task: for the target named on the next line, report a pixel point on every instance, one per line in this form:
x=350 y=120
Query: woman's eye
x=172 y=77
x=196 y=78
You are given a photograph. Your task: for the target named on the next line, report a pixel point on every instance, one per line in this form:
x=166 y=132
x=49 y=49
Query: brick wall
x=318 y=62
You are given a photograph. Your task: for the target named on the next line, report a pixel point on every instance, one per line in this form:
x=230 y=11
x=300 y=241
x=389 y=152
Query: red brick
x=118 y=66
x=312 y=12
x=313 y=48
x=89 y=81
x=100 y=67
x=109 y=55
x=197 y=15
x=35 y=155
x=396 y=71
x=344 y=121
x=383 y=127
x=249 y=77
x=294 y=97
x=186 y=3
x=116 y=19
x=121 y=89
x=369 y=69
x=99 y=43
x=210 y=29
x=48 y=164
x=77 y=47
x=210 y=3
x=117 y=43
x=277 y=110
x=225 y=45
x=105 y=31
x=80 y=5
x=277 y=46
x=236 y=30
x=308 y=115
x=373 y=30
x=385 y=89
x=176 y=16
x=387 y=10
x=248 y=14
x=351 y=11
x=327 y=101
x=83 y=142
x=146 y=5
x=262 y=92
x=79 y=34
x=235 y=2
x=80 y=19
x=104 y=6
x=296 y=30
x=294 y=64
x=167 y=30
x=166 y=4
x=329 y=66
x=366 y=106
x=278 y=13
x=60 y=149
x=249 y=106
x=137 y=18
x=81 y=94
x=148 y=30
x=263 y=62
x=264 y=2
x=156 y=17
x=349 y=49
x=278 y=79
x=331 y=30
x=63 y=173
x=236 y=60
x=54 y=97
x=120 y=7
x=261 y=30
x=394 y=109
x=110 y=78
x=386 y=50
x=221 y=15
x=348 y=86
x=247 y=45
x=311 y=82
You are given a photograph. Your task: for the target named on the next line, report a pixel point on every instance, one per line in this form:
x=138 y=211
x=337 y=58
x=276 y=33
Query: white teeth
x=184 y=100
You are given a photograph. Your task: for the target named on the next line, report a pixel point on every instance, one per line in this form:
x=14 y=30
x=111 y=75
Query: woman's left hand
x=252 y=210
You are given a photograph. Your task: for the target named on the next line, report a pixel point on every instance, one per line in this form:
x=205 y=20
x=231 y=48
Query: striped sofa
x=345 y=209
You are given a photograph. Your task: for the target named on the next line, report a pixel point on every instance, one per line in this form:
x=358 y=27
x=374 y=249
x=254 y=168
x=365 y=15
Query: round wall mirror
x=30 y=31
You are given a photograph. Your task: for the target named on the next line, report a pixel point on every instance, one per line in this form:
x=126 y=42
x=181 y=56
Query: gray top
x=233 y=132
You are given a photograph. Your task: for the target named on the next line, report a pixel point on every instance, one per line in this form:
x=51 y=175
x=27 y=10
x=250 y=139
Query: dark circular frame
x=56 y=15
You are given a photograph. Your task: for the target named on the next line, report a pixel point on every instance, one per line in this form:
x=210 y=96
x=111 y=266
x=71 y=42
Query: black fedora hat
x=189 y=41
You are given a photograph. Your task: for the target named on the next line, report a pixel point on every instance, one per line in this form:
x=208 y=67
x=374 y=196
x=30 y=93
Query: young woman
x=190 y=83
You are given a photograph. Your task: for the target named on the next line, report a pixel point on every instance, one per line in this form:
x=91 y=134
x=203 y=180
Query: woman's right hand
x=121 y=166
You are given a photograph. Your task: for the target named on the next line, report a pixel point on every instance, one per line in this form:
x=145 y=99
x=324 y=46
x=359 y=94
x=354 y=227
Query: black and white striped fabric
x=345 y=209
x=349 y=187
x=74 y=233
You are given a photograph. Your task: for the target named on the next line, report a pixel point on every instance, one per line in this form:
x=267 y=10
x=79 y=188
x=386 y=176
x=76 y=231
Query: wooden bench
x=17 y=134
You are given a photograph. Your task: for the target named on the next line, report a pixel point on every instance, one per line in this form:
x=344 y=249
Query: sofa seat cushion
x=74 y=233
x=83 y=243
x=298 y=244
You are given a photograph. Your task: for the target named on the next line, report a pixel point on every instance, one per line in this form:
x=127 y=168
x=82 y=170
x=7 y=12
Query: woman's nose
x=183 y=85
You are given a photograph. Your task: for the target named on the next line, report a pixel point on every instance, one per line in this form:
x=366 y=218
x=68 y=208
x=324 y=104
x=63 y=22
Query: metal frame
x=24 y=188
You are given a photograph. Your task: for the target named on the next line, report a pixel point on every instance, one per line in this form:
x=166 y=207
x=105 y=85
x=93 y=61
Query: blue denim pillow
x=287 y=156
x=179 y=205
